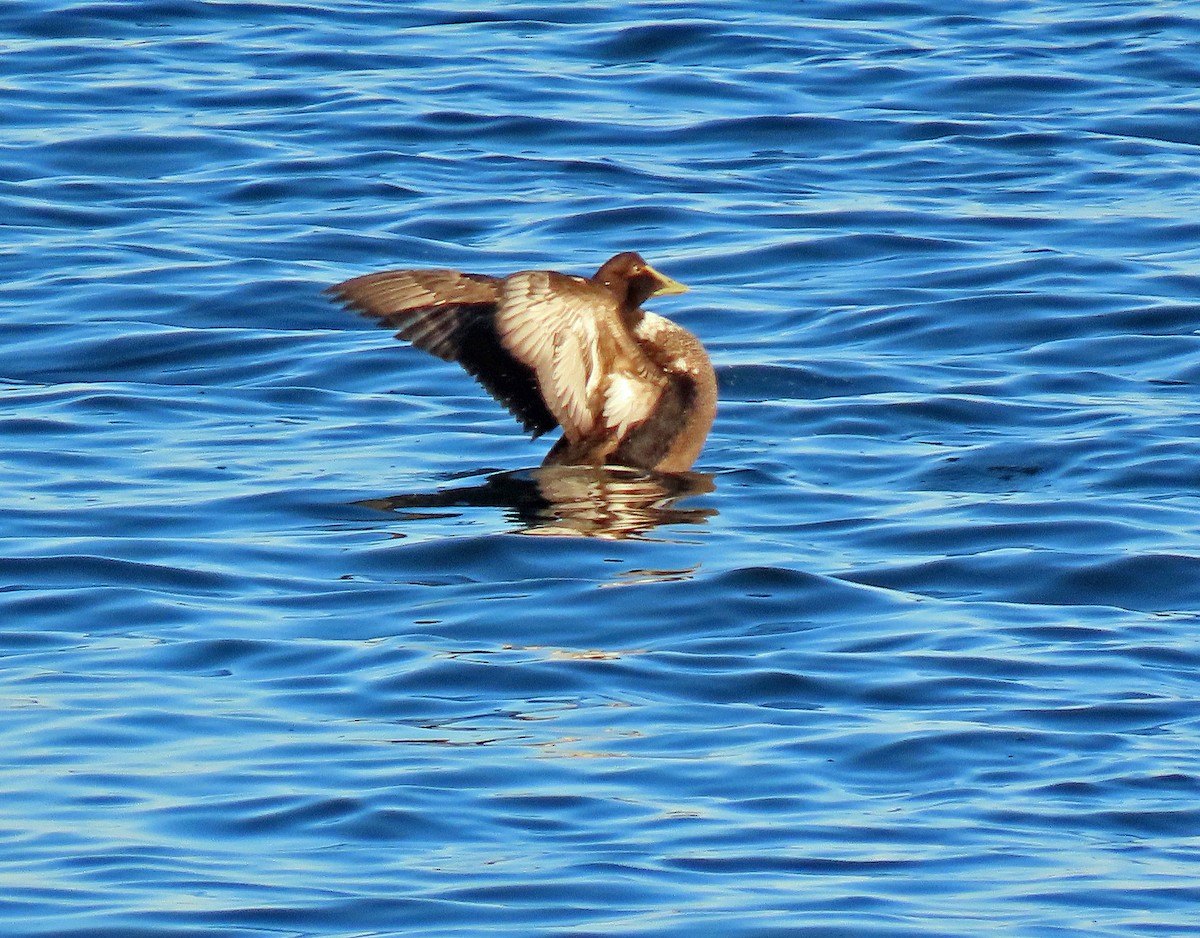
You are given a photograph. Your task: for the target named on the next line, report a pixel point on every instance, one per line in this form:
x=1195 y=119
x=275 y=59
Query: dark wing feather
x=452 y=315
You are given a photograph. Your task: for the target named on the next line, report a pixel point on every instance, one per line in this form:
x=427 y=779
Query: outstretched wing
x=452 y=315
x=595 y=379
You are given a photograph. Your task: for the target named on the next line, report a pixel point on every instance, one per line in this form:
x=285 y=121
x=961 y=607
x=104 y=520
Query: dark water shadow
x=570 y=501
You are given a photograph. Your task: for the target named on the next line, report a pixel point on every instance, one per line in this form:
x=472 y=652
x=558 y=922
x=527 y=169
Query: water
x=913 y=654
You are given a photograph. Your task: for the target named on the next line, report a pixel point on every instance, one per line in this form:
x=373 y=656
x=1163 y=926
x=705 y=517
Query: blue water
x=916 y=652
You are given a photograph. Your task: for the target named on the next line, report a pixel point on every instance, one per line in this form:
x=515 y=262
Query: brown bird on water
x=628 y=388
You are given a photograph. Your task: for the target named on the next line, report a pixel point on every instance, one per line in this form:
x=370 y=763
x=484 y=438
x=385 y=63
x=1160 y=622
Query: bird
x=629 y=388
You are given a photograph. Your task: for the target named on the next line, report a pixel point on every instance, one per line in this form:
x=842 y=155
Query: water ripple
x=911 y=653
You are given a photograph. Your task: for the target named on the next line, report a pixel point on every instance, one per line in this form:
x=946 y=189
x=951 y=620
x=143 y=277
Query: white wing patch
x=627 y=401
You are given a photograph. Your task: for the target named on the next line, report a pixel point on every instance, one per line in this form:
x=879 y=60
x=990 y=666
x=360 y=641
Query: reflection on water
x=583 y=501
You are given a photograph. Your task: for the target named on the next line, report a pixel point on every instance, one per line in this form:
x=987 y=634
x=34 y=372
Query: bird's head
x=634 y=281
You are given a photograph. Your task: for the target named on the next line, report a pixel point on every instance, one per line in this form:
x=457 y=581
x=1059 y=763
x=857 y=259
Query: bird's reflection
x=581 y=501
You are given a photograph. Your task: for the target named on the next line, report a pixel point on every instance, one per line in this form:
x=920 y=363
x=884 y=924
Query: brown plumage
x=627 y=387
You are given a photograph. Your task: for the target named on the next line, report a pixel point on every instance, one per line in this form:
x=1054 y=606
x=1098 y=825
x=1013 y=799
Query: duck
x=628 y=387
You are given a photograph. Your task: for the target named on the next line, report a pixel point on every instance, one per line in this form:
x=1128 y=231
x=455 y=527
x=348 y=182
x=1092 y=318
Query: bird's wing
x=431 y=308
x=594 y=377
x=452 y=315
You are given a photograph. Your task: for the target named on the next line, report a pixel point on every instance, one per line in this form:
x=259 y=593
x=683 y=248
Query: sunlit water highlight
x=913 y=653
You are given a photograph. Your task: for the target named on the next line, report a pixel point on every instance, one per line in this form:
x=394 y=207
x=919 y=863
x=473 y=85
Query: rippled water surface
x=916 y=651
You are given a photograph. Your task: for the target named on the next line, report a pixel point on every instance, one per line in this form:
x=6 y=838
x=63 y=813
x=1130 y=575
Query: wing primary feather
x=452 y=315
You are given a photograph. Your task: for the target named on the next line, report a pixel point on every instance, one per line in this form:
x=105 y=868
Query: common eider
x=628 y=388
